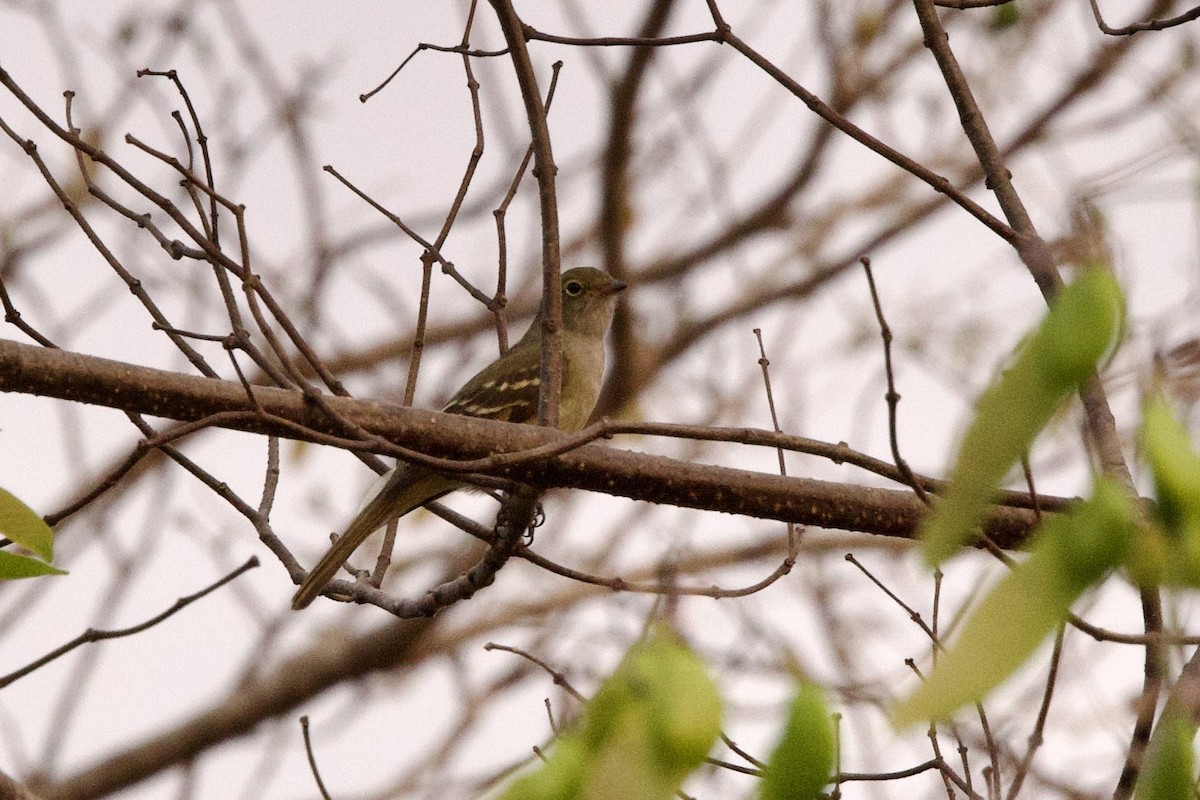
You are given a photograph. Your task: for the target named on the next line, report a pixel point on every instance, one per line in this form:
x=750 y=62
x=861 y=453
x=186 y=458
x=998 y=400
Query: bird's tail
x=407 y=488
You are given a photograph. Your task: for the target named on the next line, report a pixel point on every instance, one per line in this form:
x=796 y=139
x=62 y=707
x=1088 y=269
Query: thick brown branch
x=87 y=379
x=12 y=790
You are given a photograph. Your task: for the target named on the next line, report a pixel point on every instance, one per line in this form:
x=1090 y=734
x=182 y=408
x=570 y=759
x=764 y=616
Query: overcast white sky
x=407 y=147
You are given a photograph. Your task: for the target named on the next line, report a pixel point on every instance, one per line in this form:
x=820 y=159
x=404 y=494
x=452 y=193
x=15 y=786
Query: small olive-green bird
x=508 y=390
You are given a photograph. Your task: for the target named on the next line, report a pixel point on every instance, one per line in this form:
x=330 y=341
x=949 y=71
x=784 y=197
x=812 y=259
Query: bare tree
x=230 y=229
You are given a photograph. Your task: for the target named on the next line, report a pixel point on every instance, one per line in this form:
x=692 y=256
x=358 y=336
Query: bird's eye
x=573 y=288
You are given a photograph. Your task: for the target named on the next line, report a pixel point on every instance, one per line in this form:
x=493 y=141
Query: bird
x=508 y=390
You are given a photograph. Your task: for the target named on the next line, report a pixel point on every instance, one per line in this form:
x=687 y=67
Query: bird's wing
x=507 y=390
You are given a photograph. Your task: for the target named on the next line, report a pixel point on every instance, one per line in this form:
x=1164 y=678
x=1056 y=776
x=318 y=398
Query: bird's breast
x=582 y=376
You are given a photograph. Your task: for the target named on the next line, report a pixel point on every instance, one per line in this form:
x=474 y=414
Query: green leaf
x=1081 y=326
x=1169 y=550
x=682 y=701
x=560 y=778
x=1174 y=465
x=1091 y=539
x=1005 y=16
x=19 y=523
x=1072 y=552
x=13 y=566
x=802 y=762
x=625 y=765
x=1167 y=772
x=651 y=723
x=1160 y=557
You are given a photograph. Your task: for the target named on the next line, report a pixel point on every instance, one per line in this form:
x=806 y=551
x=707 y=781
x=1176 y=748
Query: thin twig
x=92 y=635
x=1148 y=25
x=764 y=364
x=892 y=396
x=913 y=614
x=1035 y=737
x=312 y=758
x=559 y=678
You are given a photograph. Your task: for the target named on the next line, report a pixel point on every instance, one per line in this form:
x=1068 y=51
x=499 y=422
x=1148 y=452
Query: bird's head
x=589 y=296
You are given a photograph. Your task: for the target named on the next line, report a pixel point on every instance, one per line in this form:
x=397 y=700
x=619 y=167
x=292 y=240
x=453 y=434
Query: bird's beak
x=614 y=287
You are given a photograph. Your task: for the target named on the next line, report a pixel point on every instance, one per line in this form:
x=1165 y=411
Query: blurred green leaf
x=13 y=566
x=649 y=726
x=682 y=701
x=1072 y=551
x=1174 y=465
x=1005 y=16
x=625 y=765
x=559 y=778
x=802 y=762
x=1090 y=539
x=1169 y=550
x=19 y=523
x=1081 y=326
x=1167 y=771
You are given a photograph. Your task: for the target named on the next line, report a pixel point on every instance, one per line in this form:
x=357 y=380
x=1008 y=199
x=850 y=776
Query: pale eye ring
x=573 y=288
